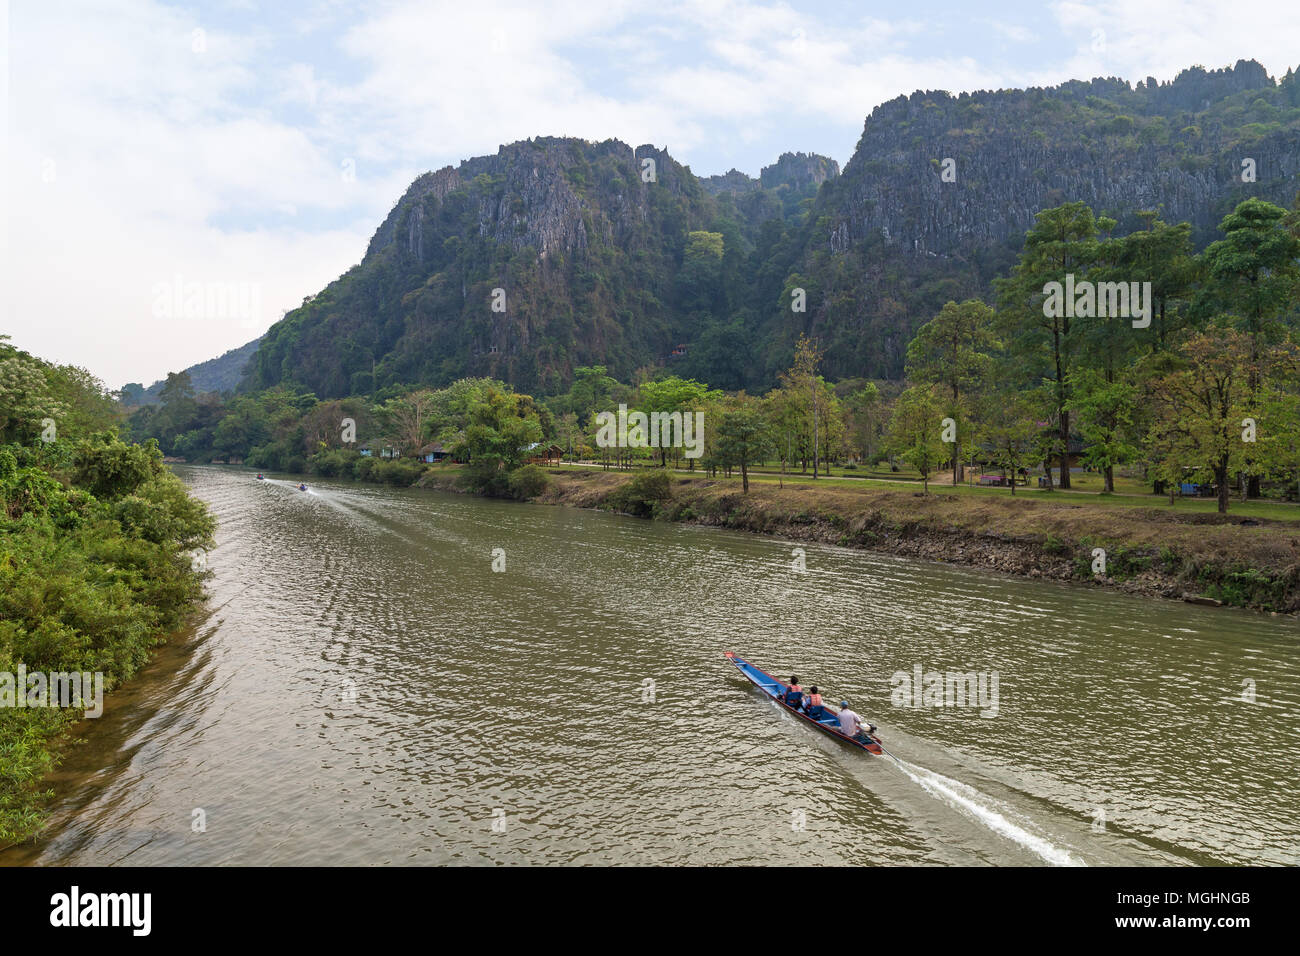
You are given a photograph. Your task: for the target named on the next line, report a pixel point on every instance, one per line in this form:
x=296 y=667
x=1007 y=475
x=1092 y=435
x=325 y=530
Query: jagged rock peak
x=530 y=192
x=799 y=171
x=732 y=181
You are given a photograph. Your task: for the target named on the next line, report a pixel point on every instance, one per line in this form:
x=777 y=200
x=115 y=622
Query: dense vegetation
x=95 y=556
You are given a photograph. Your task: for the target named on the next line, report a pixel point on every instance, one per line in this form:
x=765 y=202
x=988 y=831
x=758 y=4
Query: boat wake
x=986 y=810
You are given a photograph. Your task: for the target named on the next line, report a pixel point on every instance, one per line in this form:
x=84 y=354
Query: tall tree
x=671 y=395
x=1010 y=432
x=1203 y=401
x=915 y=431
x=1103 y=404
x=1162 y=255
x=743 y=438
x=1101 y=397
x=954 y=350
x=25 y=395
x=863 y=419
x=407 y=417
x=1253 y=277
x=502 y=426
x=807 y=356
x=1062 y=242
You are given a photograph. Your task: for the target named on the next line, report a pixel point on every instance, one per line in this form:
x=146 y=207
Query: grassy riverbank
x=1174 y=552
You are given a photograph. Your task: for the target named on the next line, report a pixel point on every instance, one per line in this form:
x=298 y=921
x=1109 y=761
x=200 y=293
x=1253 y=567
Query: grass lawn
x=1085 y=490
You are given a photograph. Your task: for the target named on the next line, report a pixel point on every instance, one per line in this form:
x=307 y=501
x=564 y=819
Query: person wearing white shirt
x=851 y=723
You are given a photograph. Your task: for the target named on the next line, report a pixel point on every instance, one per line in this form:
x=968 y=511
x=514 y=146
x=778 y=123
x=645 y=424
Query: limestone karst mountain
x=557 y=253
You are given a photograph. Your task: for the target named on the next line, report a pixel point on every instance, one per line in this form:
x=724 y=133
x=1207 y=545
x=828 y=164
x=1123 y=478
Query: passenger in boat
x=851 y=723
x=813 y=708
x=794 y=695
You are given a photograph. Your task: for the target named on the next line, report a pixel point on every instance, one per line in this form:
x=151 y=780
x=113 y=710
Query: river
x=365 y=688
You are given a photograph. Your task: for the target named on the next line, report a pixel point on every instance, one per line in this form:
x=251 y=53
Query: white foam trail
x=967 y=798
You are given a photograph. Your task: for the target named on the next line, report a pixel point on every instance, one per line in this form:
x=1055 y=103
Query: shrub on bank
x=1249 y=587
x=335 y=463
x=281 y=455
x=486 y=478
x=401 y=472
x=643 y=495
x=349 y=463
x=528 y=481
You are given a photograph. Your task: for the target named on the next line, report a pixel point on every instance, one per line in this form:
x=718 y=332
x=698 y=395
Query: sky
x=178 y=175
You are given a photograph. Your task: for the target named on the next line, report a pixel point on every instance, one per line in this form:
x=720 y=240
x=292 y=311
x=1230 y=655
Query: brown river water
x=364 y=688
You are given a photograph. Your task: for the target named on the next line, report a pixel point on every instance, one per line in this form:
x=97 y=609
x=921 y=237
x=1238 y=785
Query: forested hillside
x=221 y=374
x=557 y=253
x=894 y=237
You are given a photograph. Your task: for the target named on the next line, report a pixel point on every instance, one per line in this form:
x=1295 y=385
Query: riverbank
x=1243 y=562
x=98 y=565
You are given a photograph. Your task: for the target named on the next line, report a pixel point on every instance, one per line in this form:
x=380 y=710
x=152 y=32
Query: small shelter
x=433 y=452
x=540 y=454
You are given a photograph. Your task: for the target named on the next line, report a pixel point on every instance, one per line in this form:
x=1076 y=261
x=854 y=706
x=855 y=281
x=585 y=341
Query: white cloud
x=1161 y=38
x=1014 y=32
x=129 y=163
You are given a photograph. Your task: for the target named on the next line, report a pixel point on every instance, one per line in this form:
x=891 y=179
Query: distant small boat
x=302 y=487
x=261 y=477
x=776 y=689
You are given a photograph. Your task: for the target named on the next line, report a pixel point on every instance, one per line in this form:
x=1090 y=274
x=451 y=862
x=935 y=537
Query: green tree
x=864 y=419
x=26 y=398
x=110 y=469
x=671 y=394
x=1254 y=272
x=915 y=431
x=1062 y=242
x=1104 y=408
x=699 y=282
x=803 y=375
x=592 y=390
x=1253 y=277
x=1011 y=433
x=1162 y=255
x=501 y=429
x=954 y=349
x=743 y=438
x=786 y=409
x=1202 y=399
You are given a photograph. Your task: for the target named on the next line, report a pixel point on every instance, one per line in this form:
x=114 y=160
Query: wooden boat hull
x=776 y=688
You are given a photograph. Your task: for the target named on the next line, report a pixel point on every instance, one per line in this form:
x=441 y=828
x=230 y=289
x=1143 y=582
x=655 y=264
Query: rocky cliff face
x=941 y=189
x=555 y=253
x=733 y=181
x=538 y=194
x=549 y=254
x=799 y=172
x=940 y=174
